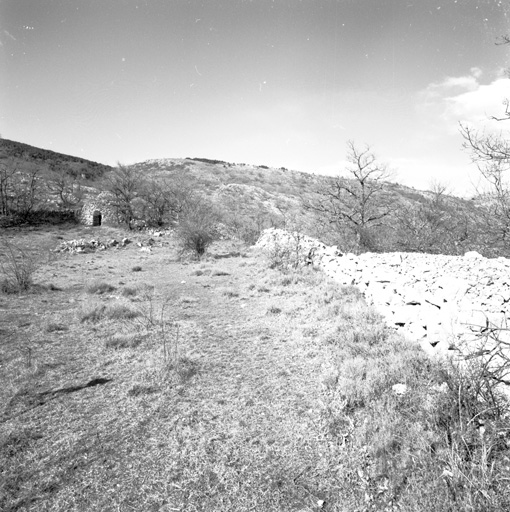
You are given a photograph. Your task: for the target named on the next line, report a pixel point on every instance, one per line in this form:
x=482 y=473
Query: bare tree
x=7 y=172
x=434 y=226
x=164 y=199
x=65 y=187
x=125 y=185
x=26 y=189
x=491 y=154
x=357 y=200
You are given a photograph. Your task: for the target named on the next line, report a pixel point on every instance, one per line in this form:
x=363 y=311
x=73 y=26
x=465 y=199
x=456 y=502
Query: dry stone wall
x=443 y=302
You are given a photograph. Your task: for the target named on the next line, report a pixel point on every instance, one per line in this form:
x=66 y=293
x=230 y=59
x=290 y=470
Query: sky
x=283 y=83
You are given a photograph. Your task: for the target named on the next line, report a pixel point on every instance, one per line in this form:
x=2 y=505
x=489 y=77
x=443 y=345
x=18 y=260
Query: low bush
x=197 y=228
x=17 y=267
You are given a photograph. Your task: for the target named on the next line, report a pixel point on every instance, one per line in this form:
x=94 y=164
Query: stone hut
x=98 y=210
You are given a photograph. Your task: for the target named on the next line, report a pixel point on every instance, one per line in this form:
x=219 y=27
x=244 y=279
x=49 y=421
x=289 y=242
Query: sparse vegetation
x=294 y=397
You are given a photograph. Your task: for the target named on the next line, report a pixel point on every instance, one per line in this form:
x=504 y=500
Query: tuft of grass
x=120 y=311
x=91 y=312
x=141 y=389
x=99 y=288
x=183 y=367
x=124 y=340
x=97 y=311
x=56 y=327
x=129 y=292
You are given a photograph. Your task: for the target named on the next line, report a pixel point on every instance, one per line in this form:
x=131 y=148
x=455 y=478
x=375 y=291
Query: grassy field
x=135 y=381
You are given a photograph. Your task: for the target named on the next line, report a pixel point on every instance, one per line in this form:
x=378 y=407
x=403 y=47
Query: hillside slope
x=24 y=156
x=259 y=197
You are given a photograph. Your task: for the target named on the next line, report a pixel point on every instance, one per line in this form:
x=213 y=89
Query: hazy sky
x=274 y=82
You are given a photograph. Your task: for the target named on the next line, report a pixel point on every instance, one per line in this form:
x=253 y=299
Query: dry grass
x=99 y=288
x=204 y=401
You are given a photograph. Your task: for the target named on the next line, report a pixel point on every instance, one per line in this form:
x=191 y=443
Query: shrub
x=197 y=228
x=18 y=267
x=286 y=254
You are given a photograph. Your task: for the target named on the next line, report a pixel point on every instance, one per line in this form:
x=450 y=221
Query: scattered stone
x=83 y=246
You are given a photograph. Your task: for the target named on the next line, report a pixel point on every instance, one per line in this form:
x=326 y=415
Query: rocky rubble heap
x=81 y=245
x=442 y=301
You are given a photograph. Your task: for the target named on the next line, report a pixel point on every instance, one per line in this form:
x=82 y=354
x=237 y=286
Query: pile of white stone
x=441 y=301
x=82 y=246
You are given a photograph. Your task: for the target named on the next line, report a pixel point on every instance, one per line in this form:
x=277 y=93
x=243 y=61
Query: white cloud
x=478 y=105
x=464 y=99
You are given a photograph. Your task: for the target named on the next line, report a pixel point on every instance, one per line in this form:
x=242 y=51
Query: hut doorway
x=96 y=218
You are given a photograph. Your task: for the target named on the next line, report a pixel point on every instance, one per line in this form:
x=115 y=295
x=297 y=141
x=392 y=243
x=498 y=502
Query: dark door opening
x=96 y=219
